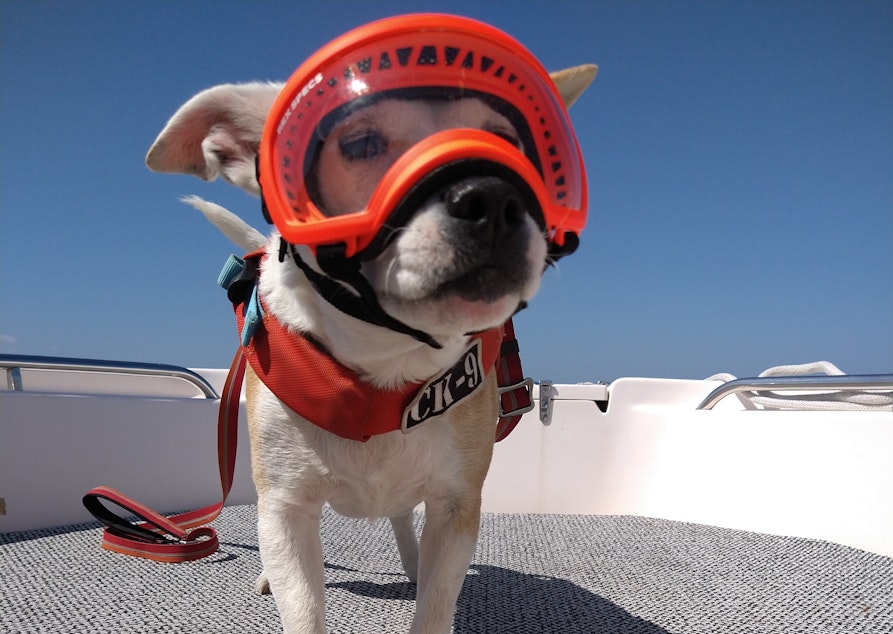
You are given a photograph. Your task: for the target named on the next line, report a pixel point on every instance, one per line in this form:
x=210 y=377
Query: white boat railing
x=866 y=383
x=91 y=368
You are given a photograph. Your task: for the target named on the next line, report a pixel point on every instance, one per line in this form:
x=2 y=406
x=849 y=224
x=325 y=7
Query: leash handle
x=185 y=536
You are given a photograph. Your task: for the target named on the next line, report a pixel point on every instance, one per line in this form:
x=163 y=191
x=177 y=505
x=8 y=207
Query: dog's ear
x=571 y=82
x=216 y=133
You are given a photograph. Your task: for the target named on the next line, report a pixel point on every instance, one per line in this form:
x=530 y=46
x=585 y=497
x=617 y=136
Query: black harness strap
x=364 y=305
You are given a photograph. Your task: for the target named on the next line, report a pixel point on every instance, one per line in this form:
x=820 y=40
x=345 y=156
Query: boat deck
x=532 y=573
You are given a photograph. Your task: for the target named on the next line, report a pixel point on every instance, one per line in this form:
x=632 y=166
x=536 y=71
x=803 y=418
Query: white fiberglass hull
x=652 y=452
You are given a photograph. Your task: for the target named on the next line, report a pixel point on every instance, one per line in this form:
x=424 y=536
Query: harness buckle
x=526 y=384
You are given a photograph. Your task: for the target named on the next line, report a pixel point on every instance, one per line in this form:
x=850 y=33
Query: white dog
x=435 y=276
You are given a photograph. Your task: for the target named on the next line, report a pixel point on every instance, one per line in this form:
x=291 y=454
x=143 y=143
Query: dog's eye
x=362 y=146
x=507 y=135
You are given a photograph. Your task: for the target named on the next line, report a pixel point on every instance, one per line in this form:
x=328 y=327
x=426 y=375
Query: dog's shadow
x=501 y=601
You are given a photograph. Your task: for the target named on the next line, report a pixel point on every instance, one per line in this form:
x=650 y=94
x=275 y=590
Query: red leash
x=186 y=536
x=176 y=538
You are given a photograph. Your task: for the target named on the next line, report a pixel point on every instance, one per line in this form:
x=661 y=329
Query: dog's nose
x=487 y=201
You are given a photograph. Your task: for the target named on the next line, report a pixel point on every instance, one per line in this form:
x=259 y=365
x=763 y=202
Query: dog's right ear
x=571 y=82
x=216 y=133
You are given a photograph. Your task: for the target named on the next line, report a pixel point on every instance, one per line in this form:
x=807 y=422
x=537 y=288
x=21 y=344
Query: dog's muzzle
x=487 y=195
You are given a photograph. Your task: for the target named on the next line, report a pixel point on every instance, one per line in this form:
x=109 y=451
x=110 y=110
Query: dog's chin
x=442 y=291
x=470 y=303
x=452 y=315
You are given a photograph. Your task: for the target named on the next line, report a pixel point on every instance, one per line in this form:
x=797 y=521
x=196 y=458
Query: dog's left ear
x=216 y=133
x=571 y=82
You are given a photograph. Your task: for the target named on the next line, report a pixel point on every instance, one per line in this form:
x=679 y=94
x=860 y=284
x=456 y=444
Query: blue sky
x=740 y=161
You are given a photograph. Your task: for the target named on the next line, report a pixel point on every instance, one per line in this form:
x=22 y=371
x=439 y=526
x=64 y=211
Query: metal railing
x=14 y=364
x=845 y=382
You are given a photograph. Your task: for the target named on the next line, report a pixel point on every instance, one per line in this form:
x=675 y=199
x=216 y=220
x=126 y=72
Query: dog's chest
x=389 y=474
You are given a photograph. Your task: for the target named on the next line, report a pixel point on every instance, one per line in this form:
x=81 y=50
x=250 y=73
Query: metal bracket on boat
x=14 y=379
x=547 y=395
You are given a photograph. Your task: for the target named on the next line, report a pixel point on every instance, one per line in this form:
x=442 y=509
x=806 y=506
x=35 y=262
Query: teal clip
x=254 y=312
x=231 y=270
x=254 y=316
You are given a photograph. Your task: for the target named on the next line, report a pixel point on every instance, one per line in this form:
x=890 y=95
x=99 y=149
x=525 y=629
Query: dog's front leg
x=447 y=546
x=291 y=552
x=407 y=544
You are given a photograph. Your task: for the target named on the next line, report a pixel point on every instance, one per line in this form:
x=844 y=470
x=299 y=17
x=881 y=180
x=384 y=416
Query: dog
x=435 y=276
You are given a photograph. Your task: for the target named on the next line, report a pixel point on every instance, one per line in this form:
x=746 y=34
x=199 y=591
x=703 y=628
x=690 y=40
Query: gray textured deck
x=531 y=574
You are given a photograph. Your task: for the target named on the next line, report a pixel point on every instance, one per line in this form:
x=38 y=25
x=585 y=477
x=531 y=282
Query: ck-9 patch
x=444 y=391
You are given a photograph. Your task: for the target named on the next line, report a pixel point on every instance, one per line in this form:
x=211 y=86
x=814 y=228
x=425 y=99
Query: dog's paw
x=412 y=574
x=262 y=584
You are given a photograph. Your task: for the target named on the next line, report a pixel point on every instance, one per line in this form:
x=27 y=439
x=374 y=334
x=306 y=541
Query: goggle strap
x=556 y=251
x=363 y=306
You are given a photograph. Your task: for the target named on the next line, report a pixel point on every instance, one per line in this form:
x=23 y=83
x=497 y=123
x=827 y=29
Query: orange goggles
x=378 y=111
